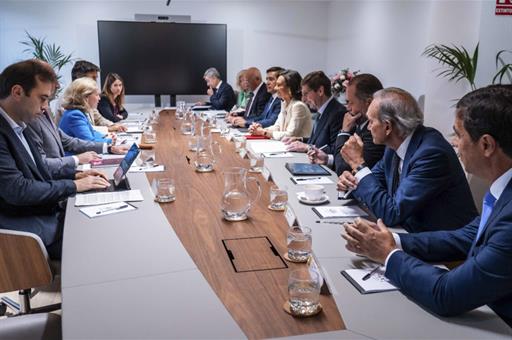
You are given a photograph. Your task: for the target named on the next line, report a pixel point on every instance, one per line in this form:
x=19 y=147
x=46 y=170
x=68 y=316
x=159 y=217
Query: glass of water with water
x=299 y=243
x=164 y=189
x=278 y=198
x=304 y=292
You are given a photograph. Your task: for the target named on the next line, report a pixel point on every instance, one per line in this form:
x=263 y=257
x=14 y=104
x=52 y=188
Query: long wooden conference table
x=162 y=270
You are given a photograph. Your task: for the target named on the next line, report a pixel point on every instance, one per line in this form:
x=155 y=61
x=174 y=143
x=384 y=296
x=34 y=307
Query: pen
x=111 y=209
x=307 y=179
x=348 y=192
x=323 y=147
x=367 y=276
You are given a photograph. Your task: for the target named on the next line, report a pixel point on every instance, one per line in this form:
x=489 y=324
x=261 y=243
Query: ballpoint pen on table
x=307 y=179
x=111 y=209
x=345 y=196
x=367 y=276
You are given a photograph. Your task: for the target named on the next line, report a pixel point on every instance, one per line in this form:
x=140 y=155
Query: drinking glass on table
x=256 y=161
x=304 y=292
x=278 y=197
x=165 y=190
x=147 y=158
x=299 y=243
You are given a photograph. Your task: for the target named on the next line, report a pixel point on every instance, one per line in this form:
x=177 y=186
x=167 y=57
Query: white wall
x=385 y=38
x=260 y=33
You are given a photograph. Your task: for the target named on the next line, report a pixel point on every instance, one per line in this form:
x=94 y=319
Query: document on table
x=302 y=180
x=134 y=129
x=107 y=209
x=108 y=197
x=154 y=168
x=375 y=281
x=266 y=146
x=277 y=154
x=340 y=211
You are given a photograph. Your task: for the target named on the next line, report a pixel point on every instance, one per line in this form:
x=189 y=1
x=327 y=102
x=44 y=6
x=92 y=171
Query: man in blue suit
x=272 y=107
x=316 y=93
x=30 y=199
x=359 y=95
x=222 y=96
x=482 y=127
x=419 y=183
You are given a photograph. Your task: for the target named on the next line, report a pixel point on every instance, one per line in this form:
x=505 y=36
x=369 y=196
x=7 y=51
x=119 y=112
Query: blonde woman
x=80 y=99
x=294 y=120
x=112 y=99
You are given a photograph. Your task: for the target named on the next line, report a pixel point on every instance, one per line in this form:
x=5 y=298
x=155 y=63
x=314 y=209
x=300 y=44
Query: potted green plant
x=49 y=52
x=505 y=70
x=457 y=63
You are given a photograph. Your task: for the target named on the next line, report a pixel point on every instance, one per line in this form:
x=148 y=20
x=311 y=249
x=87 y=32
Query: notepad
x=107 y=209
x=261 y=146
x=376 y=283
x=340 y=211
x=311 y=180
x=108 y=197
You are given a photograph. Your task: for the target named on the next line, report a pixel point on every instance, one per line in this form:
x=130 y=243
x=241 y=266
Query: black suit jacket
x=328 y=126
x=31 y=202
x=258 y=103
x=224 y=98
x=372 y=153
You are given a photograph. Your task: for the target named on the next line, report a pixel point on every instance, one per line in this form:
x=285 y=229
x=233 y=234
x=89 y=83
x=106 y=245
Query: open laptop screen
x=126 y=163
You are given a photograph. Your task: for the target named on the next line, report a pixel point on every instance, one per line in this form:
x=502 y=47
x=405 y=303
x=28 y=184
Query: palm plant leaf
x=505 y=70
x=456 y=62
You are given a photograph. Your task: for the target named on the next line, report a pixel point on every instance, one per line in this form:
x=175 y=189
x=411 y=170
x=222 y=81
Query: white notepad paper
x=108 y=197
x=376 y=283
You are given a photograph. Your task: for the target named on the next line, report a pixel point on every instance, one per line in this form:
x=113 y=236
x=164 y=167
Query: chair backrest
x=23 y=261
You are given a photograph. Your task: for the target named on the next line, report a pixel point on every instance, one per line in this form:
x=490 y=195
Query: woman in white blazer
x=294 y=120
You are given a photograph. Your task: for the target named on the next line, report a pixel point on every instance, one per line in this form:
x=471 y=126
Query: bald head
x=253 y=76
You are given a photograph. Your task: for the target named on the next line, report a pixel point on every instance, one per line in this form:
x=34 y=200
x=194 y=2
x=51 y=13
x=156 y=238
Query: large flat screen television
x=161 y=58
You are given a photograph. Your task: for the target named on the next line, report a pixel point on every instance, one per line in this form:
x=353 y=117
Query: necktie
x=315 y=123
x=395 y=164
x=487 y=206
x=248 y=105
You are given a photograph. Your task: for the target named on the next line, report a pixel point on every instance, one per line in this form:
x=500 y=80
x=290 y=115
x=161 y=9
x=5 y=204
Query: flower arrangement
x=339 y=81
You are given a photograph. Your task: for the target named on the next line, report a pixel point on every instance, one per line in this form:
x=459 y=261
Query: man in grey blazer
x=52 y=143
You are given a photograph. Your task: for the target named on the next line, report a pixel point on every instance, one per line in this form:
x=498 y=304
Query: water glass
x=304 y=292
x=148 y=158
x=299 y=243
x=278 y=198
x=149 y=136
x=165 y=190
x=239 y=143
x=256 y=161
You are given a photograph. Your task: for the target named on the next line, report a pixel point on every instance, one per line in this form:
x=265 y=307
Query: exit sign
x=503 y=7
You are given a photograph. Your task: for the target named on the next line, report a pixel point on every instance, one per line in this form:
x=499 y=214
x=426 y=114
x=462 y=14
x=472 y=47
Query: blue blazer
x=223 y=98
x=31 y=202
x=484 y=278
x=433 y=193
x=269 y=115
x=328 y=126
x=75 y=124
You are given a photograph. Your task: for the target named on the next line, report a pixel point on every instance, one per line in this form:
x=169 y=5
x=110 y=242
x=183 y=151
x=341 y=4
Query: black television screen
x=161 y=58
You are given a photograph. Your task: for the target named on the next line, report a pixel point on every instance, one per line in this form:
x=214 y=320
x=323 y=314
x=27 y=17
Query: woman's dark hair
x=488 y=111
x=109 y=80
x=292 y=80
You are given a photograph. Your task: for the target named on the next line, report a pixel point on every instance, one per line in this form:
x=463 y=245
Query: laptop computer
x=120 y=181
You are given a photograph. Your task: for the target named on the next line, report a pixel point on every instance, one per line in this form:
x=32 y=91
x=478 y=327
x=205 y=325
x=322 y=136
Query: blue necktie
x=487 y=206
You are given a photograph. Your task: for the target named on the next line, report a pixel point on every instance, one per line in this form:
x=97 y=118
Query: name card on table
x=290 y=216
x=265 y=173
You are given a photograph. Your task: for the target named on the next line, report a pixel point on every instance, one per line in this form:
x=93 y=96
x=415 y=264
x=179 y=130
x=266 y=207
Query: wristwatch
x=359 y=168
x=109 y=149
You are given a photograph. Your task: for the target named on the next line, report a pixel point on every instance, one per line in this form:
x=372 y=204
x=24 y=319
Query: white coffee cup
x=314 y=192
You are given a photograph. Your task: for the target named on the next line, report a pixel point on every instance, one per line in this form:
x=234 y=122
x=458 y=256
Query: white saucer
x=302 y=198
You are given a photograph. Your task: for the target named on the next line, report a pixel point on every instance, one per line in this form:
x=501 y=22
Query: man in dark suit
x=52 y=143
x=482 y=135
x=359 y=95
x=258 y=99
x=316 y=93
x=271 y=109
x=222 y=96
x=31 y=199
x=419 y=184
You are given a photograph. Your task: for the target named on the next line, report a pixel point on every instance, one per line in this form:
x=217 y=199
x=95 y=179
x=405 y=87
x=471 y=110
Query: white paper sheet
x=108 y=197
